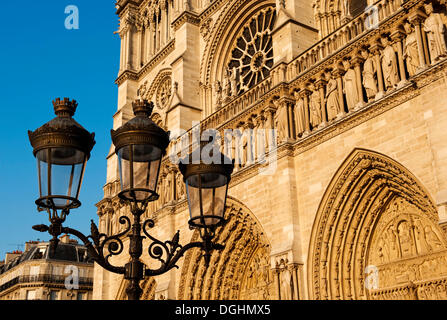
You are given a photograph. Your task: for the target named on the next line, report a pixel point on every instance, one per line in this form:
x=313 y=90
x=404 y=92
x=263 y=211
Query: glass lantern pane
x=213 y=202
x=60 y=174
x=206 y=197
x=193 y=195
x=139 y=168
x=124 y=167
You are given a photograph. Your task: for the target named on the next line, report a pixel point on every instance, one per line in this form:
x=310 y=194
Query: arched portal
x=241 y=271
x=376 y=235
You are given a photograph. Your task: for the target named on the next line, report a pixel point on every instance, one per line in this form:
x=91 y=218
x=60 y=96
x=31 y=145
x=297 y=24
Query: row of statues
x=368 y=76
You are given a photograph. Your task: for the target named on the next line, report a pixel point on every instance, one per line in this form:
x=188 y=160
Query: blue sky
x=41 y=60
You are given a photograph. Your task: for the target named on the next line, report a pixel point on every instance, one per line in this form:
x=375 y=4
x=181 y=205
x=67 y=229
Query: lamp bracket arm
x=95 y=252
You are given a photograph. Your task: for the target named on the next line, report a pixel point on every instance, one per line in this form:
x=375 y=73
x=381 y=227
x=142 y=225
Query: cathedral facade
x=337 y=114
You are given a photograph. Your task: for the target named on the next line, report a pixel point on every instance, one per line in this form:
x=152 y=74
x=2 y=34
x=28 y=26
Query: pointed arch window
x=252 y=55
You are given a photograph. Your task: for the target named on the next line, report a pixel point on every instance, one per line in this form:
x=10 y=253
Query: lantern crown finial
x=64 y=107
x=142 y=108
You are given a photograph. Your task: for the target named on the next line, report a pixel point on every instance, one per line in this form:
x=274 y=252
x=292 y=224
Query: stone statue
x=435 y=29
x=411 y=52
x=233 y=82
x=369 y=75
x=286 y=284
x=334 y=106
x=316 y=115
x=432 y=239
x=180 y=186
x=218 y=92
x=281 y=119
x=350 y=86
x=226 y=85
x=260 y=138
x=299 y=114
x=167 y=189
x=405 y=239
x=389 y=65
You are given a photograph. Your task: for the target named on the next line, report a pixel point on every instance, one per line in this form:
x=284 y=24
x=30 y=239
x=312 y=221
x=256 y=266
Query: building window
x=31 y=295
x=54 y=295
x=81 y=296
x=252 y=56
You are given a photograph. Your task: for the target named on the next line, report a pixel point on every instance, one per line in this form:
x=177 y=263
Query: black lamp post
x=62 y=148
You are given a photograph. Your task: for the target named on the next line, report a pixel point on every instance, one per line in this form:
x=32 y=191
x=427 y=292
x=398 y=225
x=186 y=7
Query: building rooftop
x=67 y=250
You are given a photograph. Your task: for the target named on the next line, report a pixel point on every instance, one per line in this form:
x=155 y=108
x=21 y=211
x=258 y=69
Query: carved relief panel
x=407 y=247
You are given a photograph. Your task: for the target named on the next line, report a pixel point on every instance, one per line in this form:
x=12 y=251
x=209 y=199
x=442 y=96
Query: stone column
x=270 y=125
x=122 y=50
x=397 y=36
x=153 y=37
x=139 y=46
x=357 y=61
x=129 y=48
x=376 y=50
x=164 y=18
x=417 y=20
x=291 y=121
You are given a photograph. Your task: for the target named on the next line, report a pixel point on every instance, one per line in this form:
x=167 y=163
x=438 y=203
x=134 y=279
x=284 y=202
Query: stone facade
x=33 y=275
x=354 y=207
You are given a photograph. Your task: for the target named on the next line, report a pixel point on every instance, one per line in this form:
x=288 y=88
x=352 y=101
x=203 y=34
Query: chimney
x=66 y=239
x=30 y=244
x=12 y=255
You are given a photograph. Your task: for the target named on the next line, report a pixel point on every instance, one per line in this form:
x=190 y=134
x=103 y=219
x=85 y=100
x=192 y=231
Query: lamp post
x=62 y=148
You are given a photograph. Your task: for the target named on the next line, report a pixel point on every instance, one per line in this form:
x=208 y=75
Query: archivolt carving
x=241 y=271
x=374 y=212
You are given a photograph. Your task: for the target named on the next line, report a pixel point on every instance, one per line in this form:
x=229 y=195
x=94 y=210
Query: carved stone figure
x=389 y=65
x=316 y=115
x=286 y=284
x=233 y=82
x=226 y=86
x=350 y=86
x=218 y=91
x=432 y=239
x=405 y=239
x=260 y=138
x=435 y=28
x=411 y=52
x=281 y=119
x=180 y=186
x=299 y=114
x=369 y=75
x=333 y=103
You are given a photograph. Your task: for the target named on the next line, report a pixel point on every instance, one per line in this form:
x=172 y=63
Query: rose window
x=164 y=93
x=252 y=56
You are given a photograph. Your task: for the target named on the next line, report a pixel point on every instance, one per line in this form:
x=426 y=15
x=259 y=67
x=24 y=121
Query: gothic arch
x=235 y=14
x=148 y=89
x=374 y=214
x=241 y=271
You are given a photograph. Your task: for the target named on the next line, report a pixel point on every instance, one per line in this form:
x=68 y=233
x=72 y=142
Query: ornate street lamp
x=62 y=148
